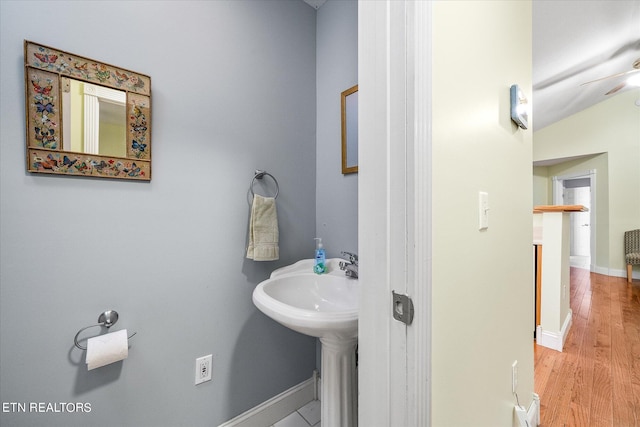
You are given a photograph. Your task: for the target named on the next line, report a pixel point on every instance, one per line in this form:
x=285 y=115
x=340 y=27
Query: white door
x=580 y=221
x=394 y=210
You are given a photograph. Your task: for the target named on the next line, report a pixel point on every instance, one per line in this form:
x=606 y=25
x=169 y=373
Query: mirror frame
x=346 y=143
x=46 y=70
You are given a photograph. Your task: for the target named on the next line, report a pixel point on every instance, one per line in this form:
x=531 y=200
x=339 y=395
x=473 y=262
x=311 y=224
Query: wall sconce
x=519 y=107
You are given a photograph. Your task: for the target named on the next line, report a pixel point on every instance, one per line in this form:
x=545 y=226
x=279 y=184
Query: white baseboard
x=554 y=340
x=533 y=414
x=615 y=272
x=278 y=407
x=600 y=270
x=529 y=417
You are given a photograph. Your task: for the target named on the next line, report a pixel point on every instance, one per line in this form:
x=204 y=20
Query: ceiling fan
x=632 y=81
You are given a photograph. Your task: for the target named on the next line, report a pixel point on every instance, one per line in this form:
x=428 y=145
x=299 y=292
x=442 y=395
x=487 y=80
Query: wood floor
x=595 y=381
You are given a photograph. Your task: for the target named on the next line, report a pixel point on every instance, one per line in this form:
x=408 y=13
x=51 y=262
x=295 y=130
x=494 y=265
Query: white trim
x=105 y=94
x=554 y=340
x=276 y=408
x=419 y=54
x=530 y=417
x=533 y=414
x=394 y=199
x=603 y=270
x=614 y=272
x=557 y=200
x=93 y=95
x=382 y=368
x=91 y=121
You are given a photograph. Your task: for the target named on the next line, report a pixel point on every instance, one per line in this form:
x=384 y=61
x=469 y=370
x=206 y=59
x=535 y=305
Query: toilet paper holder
x=106 y=319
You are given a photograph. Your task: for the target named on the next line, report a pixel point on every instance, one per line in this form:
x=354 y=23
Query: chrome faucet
x=350 y=265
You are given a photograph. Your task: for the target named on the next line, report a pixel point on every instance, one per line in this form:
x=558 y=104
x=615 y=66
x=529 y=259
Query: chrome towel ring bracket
x=106 y=319
x=259 y=175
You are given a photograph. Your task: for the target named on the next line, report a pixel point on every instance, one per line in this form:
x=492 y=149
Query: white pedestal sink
x=323 y=306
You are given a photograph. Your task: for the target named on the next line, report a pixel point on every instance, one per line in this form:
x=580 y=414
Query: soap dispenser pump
x=319 y=265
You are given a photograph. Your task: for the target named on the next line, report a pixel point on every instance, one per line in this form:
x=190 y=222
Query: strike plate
x=402 y=308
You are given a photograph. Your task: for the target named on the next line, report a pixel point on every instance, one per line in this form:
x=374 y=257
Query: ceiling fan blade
x=609 y=77
x=617 y=88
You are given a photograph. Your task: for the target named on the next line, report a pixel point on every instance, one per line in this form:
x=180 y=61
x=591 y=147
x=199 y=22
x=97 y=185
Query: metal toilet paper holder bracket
x=106 y=319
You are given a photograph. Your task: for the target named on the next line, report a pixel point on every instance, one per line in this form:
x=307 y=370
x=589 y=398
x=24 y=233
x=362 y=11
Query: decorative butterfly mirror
x=85 y=118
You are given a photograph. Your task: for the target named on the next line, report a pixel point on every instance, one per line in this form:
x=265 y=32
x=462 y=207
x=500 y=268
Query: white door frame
x=557 y=187
x=394 y=217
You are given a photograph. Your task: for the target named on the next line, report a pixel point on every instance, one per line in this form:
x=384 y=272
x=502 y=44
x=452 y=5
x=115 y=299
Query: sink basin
x=323 y=306
x=316 y=305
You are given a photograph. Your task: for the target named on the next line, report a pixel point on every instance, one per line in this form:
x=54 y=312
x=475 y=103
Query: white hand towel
x=263 y=230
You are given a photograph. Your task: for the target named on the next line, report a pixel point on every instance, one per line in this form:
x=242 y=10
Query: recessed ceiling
x=575 y=42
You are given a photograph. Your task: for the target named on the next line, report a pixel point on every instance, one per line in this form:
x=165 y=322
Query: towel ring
x=259 y=175
x=106 y=319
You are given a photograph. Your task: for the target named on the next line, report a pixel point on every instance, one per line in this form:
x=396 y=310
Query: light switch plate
x=483 y=210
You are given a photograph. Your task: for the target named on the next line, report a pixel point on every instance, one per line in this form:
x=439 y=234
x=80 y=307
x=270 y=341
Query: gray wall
x=337 y=68
x=233 y=90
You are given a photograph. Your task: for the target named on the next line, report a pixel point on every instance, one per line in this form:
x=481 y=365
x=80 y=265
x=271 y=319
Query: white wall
x=483 y=317
x=612 y=127
x=541 y=195
x=337 y=70
x=233 y=91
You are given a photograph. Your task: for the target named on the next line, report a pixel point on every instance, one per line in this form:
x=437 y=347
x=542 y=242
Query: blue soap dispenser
x=320 y=266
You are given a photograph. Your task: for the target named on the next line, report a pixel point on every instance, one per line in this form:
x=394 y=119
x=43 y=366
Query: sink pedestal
x=324 y=306
x=339 y=399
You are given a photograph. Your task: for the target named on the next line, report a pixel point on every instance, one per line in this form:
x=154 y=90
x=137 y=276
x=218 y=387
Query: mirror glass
x=86 y=118
x=94 y=119
x=349 y=106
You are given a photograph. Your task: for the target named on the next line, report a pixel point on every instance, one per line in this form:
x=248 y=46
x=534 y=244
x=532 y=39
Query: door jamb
x=557 y=200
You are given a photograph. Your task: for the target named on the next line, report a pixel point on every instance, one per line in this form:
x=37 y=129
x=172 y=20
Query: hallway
x=595 y=381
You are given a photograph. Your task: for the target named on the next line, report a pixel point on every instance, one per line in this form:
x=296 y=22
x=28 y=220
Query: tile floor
x=307 y=416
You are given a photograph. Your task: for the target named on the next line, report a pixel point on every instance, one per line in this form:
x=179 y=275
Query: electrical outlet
x=514 y=376
x=203 y=369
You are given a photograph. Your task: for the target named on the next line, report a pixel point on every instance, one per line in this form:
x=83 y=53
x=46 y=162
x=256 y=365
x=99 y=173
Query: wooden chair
x=631 y=251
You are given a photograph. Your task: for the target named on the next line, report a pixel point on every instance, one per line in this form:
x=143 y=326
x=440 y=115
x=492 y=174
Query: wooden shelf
x=559 y=208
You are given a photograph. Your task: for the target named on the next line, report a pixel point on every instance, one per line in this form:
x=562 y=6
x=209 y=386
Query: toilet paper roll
x=108 y=348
